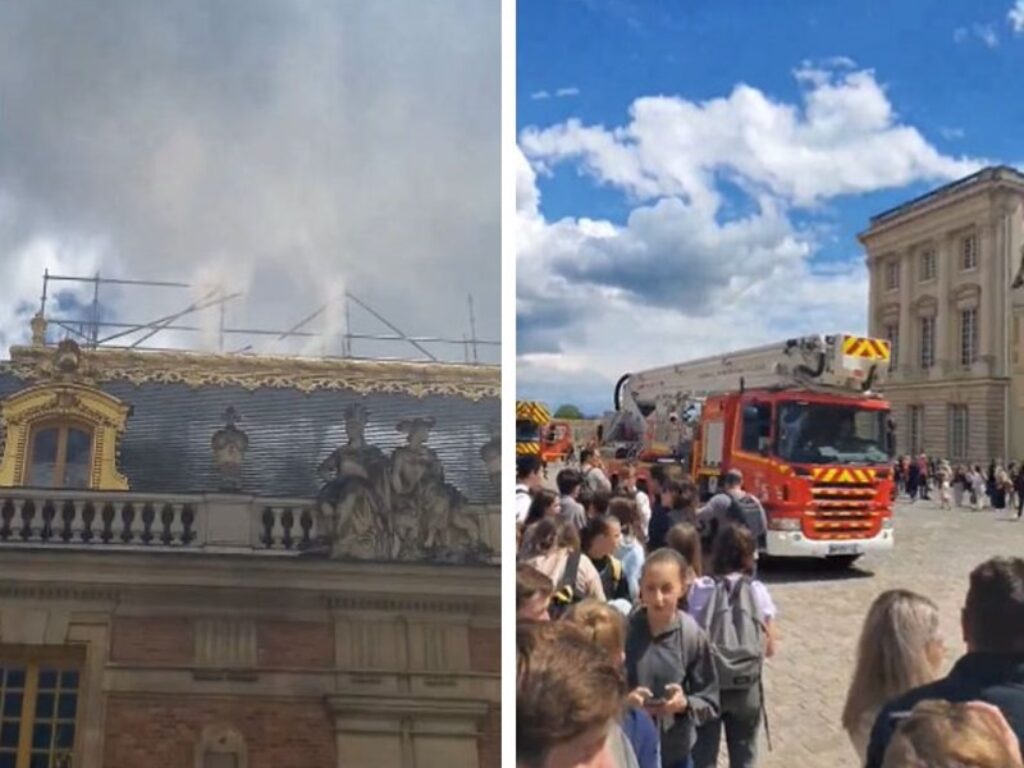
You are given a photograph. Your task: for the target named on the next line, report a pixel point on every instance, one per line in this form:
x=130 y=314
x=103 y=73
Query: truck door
x=755 y=438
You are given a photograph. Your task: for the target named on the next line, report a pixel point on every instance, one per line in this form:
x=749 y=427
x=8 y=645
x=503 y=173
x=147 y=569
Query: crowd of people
x=961 y=485
x=643 y=630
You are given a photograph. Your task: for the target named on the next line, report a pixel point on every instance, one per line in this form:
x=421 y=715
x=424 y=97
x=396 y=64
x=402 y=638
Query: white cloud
x=299 y=149
x=951 y=133
x=1015 y=17
x=570 y=91
x=678 y=278
x=986 y=33
x=844 y=138
x=540 y=95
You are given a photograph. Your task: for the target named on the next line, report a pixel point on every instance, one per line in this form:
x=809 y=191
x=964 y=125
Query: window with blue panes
x=38 y=710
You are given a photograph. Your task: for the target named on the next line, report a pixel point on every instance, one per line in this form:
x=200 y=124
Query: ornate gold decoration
x=473 y=382
x=103 y=413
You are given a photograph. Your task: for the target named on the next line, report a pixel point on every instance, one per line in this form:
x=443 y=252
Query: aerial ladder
x=656 y=409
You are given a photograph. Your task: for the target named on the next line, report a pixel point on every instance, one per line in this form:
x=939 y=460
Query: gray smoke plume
x=291 y=150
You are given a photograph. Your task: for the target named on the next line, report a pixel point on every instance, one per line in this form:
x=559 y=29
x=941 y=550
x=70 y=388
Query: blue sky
x=712 y=180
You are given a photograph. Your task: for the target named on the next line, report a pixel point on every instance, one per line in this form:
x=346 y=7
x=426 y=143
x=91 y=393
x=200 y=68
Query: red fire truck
x=799 y=419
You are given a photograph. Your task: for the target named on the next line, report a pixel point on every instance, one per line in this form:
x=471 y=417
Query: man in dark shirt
x=992 y=670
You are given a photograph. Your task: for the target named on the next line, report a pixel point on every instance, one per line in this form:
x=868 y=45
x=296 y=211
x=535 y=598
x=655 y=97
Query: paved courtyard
x=821 y=615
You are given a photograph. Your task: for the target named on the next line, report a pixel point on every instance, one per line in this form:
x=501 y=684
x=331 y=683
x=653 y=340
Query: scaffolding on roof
x=87 y=330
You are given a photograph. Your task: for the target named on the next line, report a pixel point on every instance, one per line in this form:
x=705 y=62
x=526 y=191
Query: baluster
x=177 y=526
x=88 y=520
x=166 y=517
x=267 y=536
x=306 y=523
x=287 y=522
x=188 y=523
x=127 y=518
x=28 y=513
x=6 y=516
x=148 y=516
x=49 y=512
x=67 y=521
x=107 y=515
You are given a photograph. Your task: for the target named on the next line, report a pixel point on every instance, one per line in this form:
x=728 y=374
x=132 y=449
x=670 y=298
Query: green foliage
x=567 y=411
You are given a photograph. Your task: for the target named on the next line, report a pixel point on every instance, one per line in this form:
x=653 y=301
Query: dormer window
x=60 y=455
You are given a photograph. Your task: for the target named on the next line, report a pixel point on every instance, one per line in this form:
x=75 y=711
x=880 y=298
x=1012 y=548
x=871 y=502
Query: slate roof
x=166 y=446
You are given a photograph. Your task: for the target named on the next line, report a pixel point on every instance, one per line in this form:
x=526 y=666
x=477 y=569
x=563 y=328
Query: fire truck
x=800 y=419
x=531 y=416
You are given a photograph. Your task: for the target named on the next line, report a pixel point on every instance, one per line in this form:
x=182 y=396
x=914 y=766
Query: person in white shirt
x=528 y=469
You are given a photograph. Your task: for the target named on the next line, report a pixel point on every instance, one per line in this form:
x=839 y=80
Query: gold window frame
x=45 y=404
x=33 y=659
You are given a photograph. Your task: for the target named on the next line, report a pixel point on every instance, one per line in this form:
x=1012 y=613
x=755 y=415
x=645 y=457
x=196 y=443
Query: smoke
x=286 y=150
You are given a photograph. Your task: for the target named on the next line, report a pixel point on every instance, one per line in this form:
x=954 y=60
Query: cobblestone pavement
x=820 y=616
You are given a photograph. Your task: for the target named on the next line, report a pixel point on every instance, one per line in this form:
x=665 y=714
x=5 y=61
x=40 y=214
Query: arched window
x=60 y=455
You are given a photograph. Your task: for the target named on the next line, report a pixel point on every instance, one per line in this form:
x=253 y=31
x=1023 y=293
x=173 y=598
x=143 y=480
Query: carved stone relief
x=375 y=507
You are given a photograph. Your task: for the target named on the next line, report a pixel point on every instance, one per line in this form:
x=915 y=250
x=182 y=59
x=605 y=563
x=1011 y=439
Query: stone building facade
x=242 y=562
x=941 y=272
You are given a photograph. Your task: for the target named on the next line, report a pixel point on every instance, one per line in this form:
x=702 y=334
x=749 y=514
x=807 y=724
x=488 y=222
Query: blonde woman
x=899 y=649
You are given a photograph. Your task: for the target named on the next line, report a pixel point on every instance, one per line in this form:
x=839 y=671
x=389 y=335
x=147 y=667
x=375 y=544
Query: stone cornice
x=474 y=382
x=140 y=583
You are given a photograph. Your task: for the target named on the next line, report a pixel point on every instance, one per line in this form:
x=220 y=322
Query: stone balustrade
x=210 y=523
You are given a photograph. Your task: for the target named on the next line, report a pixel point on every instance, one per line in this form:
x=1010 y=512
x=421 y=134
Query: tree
x=567 y=411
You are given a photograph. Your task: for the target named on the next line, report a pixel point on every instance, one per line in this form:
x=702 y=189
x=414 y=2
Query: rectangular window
x=969 y=252
x=968 y=336
x=892 y=335
x=958 y=431
x=915 y=422
x=38 y=707
x=927 y=343
x=892 y=275
x=928 y=265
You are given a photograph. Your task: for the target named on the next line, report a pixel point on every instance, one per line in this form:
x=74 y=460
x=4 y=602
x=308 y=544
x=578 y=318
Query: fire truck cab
x=799 y=419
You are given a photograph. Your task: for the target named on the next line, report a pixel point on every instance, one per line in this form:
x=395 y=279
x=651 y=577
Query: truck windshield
x=820 y=433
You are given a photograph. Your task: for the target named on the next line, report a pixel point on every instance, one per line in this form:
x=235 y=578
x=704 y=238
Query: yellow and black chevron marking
x=528 y=449
x=862 y=346
x=535 y=413
x=843 y=475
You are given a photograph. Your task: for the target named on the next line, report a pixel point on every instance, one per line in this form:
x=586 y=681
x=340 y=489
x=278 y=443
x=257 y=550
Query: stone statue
x=490 y=454
x=229 y=446
x=401 y=508
x=352 y=504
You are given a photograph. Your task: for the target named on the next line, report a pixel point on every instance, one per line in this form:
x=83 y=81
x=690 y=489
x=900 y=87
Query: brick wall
x=163 y=733
x=490 y=739
x=484 y=650
x=151 y=640
x=295 y=644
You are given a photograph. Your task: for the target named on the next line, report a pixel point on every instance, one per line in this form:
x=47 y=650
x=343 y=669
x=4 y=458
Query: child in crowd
x=942 y=734
x=607 y=628
x=900 y=648
x=600 y=539
x=631 y=548
x=552 y=546
x=545 y=504
x=746 y=605
x=684 y=538
x=568 y=696
x=669 y=665
x=533 y=594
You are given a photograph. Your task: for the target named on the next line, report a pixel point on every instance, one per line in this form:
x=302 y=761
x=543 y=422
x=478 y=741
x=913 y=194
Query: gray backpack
x=736 y=630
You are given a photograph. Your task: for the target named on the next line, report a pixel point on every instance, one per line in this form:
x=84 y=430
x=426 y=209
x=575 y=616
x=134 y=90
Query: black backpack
x=566 y=595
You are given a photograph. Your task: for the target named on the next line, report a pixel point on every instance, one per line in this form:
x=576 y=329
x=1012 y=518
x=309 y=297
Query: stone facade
x=941 y=268
x=211 y=628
